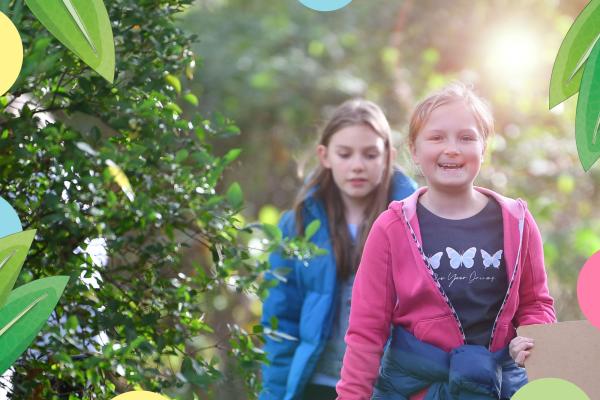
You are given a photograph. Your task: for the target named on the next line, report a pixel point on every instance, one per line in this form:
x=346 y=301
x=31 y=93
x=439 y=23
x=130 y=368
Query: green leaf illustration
x=24 y=315
x=587 y=119
x=573 y=54
x=82 y=26
x=13 y=250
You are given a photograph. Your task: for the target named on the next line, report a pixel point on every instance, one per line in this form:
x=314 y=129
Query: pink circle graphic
x=587 y=289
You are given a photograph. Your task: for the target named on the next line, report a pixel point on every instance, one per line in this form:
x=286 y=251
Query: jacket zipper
x=513 y=277
x=432 y=275
x=441 y=290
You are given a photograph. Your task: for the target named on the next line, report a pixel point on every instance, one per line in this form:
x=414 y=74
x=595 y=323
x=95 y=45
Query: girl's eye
x=344 y=155
x=469 y=138
x=372 y=156
x=435 y=138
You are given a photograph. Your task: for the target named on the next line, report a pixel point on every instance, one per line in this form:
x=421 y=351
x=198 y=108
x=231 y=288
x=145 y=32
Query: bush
x=98 y=167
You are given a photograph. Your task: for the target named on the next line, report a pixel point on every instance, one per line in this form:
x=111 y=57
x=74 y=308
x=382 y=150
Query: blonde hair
x=455 y=91
x=321 y=185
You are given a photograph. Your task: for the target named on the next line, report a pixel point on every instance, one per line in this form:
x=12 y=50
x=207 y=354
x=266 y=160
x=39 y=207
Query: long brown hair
x=347 y=255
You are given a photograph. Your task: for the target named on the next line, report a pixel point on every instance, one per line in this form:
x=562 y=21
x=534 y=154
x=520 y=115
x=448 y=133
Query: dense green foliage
x=142 y=317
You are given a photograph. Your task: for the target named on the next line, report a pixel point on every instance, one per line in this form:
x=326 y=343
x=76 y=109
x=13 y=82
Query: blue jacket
x=469 y=372
x=303 y=304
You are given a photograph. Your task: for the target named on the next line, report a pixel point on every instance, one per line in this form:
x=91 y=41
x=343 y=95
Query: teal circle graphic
x=550 y=389
x=9 y=220
x=325 y=5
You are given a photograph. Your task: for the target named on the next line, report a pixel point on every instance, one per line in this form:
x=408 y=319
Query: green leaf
x=72 y=323
x=24 y=315
x=181 y=155
x=173 y=81
x=4 y=6
x=15 y=12
x=83 y=27
x=193 y=373
x=191 y=98
x=274 y=322
x=174 y=107
x=120 y=178
x=272 y=231
x=312 y=228
x=573 y=54
x=587 y=118
x=13 y=251
x=231 y=155
x=235 y=195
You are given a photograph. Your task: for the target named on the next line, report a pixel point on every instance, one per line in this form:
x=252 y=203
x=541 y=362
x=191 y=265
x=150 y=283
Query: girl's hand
x=519 y=348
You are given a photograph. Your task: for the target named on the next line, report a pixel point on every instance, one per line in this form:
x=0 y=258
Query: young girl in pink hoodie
x=454 y=269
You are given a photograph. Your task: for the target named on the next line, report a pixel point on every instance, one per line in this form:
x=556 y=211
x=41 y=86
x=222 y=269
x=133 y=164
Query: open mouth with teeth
x=450 y=166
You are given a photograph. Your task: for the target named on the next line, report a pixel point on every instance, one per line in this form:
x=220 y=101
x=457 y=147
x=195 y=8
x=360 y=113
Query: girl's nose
x=358 y=164
x=451 y=148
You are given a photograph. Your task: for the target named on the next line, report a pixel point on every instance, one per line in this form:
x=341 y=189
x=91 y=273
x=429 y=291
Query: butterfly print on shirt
x=456 y=259
x=491 y=261
x=435 y=259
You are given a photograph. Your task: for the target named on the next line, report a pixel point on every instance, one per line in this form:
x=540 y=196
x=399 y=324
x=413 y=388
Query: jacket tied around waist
x=469 y=372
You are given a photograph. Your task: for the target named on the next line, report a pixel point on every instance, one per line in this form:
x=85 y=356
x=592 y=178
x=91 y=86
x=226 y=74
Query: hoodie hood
x=515 y=208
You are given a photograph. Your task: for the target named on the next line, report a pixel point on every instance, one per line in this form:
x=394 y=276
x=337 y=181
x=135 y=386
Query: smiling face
x=449 y=148
x=356 y=156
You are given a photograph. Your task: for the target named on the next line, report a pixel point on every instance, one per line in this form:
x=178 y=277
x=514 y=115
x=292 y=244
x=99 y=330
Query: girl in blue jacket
x=352 y=185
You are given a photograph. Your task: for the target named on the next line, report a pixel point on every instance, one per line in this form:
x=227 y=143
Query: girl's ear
x=322 y=155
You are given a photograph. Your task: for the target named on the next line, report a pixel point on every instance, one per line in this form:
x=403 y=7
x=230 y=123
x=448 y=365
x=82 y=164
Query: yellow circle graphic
x=11 y=53
x=140 y=395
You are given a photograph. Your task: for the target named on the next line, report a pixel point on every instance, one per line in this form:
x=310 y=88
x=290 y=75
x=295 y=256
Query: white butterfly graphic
x=466 y=259
x=491 y=261
x=434 y=260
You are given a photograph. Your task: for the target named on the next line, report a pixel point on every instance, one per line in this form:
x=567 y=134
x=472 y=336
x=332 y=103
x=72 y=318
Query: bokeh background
x=167 y=281
x=279 y=69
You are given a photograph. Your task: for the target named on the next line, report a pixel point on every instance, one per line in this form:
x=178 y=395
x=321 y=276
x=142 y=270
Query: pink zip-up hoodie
x=394 y=287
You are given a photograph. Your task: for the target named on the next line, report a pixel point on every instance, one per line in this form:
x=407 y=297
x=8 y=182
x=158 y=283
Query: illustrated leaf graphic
x=21 y=314
x=79 y=22
x=573 y=54
x=83 y=27
x=10 y=220
x=587 y=118
x=13 y=251
x=24 y=315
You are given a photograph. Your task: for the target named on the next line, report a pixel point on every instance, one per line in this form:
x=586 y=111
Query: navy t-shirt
x=467 y=257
